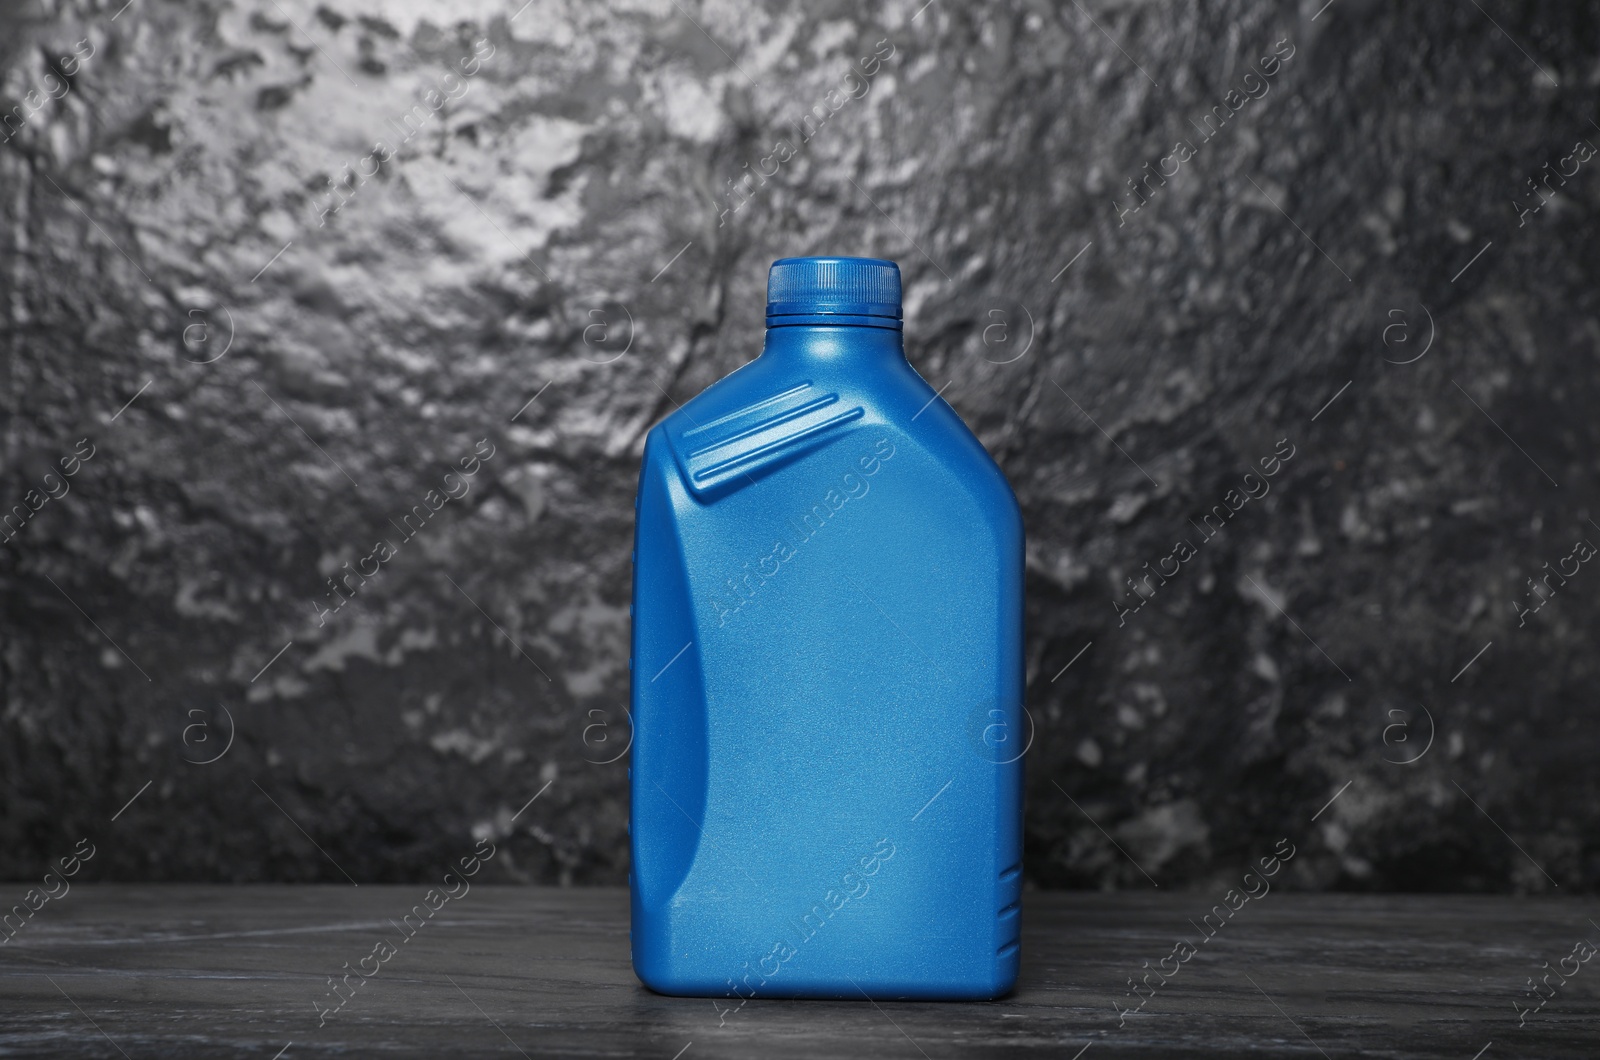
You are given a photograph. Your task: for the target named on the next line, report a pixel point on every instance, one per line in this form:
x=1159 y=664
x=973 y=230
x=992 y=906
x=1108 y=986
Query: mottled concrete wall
x=270 y=371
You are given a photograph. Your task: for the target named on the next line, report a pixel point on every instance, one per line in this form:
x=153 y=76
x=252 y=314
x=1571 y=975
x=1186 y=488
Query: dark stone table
x=199 y=971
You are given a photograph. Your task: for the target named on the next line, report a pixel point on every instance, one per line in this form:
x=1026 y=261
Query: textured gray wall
x=268 y=371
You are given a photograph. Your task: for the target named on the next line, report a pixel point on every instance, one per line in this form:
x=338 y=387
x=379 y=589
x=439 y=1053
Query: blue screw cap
x=837 y=290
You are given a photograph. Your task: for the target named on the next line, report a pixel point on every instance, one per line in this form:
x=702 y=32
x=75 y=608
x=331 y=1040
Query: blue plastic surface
x=827 y=681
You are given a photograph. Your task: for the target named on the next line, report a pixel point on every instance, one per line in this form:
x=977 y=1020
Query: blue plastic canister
x=826 y=771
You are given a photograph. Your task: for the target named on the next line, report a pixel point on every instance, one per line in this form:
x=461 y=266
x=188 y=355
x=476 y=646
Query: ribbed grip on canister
x=833 y=287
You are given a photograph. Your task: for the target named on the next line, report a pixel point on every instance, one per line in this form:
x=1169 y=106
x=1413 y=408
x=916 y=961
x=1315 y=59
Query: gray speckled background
x=300 y=375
